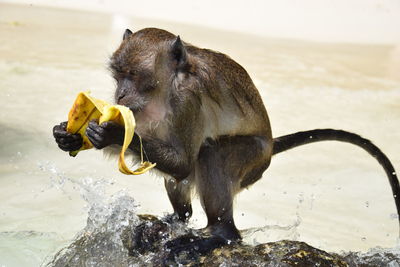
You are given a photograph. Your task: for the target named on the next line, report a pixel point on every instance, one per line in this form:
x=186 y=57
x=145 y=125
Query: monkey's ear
x=179 y=54
x=127 y=33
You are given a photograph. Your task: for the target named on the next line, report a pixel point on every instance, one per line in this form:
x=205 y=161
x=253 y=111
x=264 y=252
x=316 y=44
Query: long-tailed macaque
x=202 y=121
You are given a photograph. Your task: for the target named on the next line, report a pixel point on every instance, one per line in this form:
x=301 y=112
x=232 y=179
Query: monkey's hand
x=108 y=133
x=65 y=140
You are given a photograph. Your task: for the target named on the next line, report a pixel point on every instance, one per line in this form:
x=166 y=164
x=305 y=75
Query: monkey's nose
x=120 y=97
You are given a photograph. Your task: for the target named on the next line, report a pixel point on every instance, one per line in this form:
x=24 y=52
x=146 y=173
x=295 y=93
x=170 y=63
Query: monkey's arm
x=171 y=157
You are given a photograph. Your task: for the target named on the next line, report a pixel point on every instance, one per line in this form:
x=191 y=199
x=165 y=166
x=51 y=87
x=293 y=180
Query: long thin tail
x=301 y=138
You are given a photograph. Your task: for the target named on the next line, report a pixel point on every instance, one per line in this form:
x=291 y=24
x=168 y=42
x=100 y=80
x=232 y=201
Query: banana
x=87 y=108
x=84 y=109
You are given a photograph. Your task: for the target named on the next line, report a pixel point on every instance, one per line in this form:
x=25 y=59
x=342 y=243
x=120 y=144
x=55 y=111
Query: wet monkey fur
x=203 y=122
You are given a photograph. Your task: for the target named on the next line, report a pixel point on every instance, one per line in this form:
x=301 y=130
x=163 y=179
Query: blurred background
x=367 y=21
x=317 y=64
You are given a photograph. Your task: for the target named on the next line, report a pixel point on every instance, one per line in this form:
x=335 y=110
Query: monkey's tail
x=286 y=142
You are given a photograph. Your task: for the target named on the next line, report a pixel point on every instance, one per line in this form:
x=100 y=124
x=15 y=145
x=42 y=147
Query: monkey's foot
x=190 y=247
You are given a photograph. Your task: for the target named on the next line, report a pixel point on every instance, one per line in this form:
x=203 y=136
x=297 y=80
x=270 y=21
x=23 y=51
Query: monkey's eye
x=149 y=87
x=120 y=74
x=117 y=73
x=132 y=73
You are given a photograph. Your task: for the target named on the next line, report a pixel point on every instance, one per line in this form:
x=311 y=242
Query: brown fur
x=201 y=118
x=203 y=122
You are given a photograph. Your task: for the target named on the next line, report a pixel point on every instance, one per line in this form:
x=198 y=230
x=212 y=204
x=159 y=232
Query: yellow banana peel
x=87 y=108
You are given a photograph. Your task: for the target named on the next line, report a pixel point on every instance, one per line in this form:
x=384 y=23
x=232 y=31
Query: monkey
x=203 y=122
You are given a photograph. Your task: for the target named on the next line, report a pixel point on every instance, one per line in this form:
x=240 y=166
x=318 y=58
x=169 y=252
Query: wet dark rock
x=151 y=234
x=149 y=241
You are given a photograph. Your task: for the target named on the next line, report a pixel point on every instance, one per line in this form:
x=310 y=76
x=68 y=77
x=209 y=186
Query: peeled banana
x=87 y=108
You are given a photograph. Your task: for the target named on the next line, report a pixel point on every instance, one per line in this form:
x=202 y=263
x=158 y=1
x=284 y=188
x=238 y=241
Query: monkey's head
x=148 y=66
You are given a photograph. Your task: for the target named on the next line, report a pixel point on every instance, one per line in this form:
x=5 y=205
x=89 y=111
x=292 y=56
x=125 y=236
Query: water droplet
x=187 y=214
x=310 y=136
x=367 y=204
x=394 y=173
x=242 y=214
x=185 y=182
x=219 y=218
x=363 y=239
x=229 y=242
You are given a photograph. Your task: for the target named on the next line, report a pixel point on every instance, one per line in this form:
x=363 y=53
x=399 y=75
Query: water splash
x=108 y=216
x=374 y=257
x=102 y=242
x=272 y=232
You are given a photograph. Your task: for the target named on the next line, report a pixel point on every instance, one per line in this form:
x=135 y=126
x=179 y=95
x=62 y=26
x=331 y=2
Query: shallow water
x=333 y=196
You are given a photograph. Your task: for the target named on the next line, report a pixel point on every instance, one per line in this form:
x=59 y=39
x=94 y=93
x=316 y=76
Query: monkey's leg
x=223 y=165
x=179 y=194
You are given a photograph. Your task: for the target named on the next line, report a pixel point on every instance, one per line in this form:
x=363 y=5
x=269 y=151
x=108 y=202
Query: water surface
x=333 y=196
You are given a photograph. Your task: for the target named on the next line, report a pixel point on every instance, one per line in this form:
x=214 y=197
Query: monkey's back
x=230 y=100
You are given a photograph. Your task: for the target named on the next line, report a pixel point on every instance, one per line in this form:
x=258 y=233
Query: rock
x=149 y=241
x=152 y=235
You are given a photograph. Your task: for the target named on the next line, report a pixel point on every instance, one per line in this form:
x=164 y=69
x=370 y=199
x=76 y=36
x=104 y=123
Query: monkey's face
x=146 y=66
x=133 y=71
